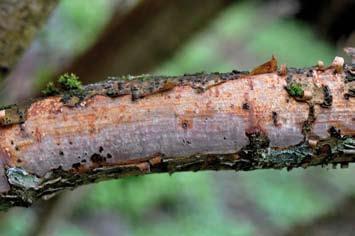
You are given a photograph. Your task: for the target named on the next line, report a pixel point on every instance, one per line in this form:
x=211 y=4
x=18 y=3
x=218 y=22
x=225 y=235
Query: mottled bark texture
x=20 y=20
x=140 y=40
x=136 y=125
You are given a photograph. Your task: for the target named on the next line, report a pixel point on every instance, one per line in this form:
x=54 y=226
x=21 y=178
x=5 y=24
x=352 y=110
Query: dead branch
x=145 y=124
x=20 y=20
x=140 y=40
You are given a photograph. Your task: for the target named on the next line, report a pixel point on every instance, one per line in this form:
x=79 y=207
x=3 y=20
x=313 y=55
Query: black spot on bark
x=4 y=70
x=307 y=125
x=309 y=73
x=184 y=125
x=185 y=141
x=76 y=165
x=257 y=139
x=246 y=106
x=328 y=98
x=274 y=117
x=97 y=158
x=334 y=132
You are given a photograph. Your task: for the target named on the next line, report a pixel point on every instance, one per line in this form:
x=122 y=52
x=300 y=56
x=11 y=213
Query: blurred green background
x=266 y=202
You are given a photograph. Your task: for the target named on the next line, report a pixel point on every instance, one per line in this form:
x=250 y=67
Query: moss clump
x=67 y=82
x=70 y=82
x=295 y=90
x=70 y=88
x=50 y=89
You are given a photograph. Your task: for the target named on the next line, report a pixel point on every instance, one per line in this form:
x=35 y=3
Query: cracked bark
x=137 y=125
x=20 y=20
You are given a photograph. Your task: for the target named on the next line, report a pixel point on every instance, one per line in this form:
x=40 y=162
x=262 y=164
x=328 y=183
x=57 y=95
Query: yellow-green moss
x=70 y=82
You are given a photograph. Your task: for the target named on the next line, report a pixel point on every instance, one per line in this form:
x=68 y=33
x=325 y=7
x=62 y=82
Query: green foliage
x=136 y=195
x=285 y=196
x=70 y=230
x=15 y=223
x=77 y=24
x=70 y=82
x=190 y=199
x=74 y=26
x=293 y=43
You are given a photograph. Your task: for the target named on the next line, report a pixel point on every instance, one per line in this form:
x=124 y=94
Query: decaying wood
x=20 y=20
x=144 y=124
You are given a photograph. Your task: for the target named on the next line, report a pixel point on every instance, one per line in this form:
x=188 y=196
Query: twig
x=151 y=124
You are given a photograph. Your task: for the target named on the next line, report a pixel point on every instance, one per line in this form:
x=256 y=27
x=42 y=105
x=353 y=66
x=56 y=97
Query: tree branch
x=144 y=37
x=19 y=22
x=137 y=125
x=338 y=220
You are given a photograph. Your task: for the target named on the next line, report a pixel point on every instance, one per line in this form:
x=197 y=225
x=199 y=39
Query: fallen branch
x=144 y=124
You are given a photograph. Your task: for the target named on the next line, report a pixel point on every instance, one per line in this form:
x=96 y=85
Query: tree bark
x=137 y=125
x=20 y=20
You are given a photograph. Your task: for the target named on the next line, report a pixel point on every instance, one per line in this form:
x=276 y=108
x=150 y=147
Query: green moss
x=50 y=89
x=295 y=90
x=70 y=82
x=144 y=77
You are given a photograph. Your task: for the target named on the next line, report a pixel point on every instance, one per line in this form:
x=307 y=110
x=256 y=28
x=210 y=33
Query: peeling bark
x=145 y=124
x=20 y=20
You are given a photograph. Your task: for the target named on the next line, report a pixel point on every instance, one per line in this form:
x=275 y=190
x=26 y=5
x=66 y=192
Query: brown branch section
x=338 y=221
x=146 y=36
x=137 y=125
x=20 y=20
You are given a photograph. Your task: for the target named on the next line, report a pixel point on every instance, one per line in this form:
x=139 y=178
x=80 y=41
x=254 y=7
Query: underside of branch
x=136 y=125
